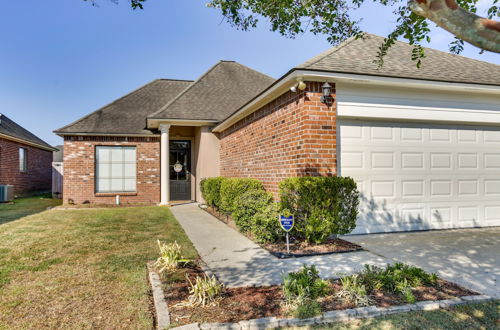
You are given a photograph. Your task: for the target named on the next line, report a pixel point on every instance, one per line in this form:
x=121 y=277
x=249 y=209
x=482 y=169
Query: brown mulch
x=297 y=248
x=236 y=304
x=247 y=303
x=334 y=245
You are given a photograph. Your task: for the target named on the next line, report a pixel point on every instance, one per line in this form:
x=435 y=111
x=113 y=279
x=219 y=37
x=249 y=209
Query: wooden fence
x=57 y=179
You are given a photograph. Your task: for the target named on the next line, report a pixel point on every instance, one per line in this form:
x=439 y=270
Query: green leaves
x=322 y=206
x=335 y=20
x=292 y=17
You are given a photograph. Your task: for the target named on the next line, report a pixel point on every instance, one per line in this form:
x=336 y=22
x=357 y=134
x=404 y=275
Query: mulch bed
x=302 y=249
x=247 y=303
x=297 y=248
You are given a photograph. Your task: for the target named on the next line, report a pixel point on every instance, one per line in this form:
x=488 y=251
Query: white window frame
x=23 y=161
x=107 y=178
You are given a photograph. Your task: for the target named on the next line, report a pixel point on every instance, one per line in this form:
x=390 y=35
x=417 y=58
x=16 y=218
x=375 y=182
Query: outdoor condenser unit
x=6 y=193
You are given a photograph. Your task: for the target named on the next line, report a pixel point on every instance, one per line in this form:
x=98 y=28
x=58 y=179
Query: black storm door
x=180 y=170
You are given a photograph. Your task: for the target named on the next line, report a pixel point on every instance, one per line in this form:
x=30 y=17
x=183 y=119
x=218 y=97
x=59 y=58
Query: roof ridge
x=185 y=90
x=166 y=106
x=105 y=106
x=170 y=79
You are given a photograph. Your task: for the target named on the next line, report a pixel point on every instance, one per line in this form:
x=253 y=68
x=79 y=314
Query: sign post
x=286 y=223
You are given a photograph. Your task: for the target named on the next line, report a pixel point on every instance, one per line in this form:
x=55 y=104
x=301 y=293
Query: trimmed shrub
x=265 y=226
x=232 y=188
x=210 y=190
x=322 y=206
x=248 y=204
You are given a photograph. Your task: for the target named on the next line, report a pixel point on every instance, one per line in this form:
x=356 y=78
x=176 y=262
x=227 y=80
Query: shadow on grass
x=22 y=207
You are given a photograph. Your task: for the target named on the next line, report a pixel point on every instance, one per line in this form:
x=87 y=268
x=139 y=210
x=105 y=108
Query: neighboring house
x=25 y=160
x=423 y=144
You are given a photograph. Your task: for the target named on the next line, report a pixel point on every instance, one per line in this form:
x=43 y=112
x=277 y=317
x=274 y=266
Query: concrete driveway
x=469 y=257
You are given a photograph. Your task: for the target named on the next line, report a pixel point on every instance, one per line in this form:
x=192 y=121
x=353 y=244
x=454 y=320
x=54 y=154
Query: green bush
x=304 y=284
x=232 y=188
x=248 y=204
x=398 y=278
x=265 y=226
x=322 y=206
x=394 y=278
x=210 y=190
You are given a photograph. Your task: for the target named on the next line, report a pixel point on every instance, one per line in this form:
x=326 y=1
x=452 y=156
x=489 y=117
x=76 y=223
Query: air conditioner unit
x=6 y=193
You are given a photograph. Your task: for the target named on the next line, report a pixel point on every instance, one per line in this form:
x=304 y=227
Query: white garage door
x=421 y=176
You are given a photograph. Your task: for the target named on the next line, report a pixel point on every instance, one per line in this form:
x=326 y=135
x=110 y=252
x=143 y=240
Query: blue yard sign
x=286 y=222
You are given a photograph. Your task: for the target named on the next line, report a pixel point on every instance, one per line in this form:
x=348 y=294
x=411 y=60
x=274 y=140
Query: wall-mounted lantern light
x=327 y=93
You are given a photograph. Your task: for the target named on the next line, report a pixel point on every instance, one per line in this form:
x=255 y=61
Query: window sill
x=112 y=194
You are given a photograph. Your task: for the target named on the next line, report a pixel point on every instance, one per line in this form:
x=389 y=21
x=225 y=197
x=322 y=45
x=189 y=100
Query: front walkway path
x=237 y=261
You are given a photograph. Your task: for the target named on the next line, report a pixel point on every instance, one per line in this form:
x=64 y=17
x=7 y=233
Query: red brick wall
x=38 y=177
x=79 y=170
x=294 y=135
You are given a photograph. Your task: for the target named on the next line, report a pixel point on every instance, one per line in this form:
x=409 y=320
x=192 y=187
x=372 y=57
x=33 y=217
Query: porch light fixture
x=327 y=91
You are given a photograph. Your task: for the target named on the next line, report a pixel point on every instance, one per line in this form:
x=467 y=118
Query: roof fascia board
x=394 y=81
x=289 y=79
x=12 y=138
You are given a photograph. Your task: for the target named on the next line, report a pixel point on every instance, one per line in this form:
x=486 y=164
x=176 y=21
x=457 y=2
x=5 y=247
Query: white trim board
x=417 y=104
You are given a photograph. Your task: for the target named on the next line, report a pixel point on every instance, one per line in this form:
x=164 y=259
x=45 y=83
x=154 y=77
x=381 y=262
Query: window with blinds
x=115 y=169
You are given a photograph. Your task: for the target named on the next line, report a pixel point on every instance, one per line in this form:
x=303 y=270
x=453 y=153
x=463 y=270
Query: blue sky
x=61 y=59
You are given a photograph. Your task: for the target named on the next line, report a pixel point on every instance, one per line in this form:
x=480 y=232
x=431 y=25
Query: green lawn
x=22 y=207
x=474 y=316
x=84 y=268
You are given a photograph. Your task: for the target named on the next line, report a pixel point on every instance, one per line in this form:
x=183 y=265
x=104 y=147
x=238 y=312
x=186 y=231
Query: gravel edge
x=336 y=316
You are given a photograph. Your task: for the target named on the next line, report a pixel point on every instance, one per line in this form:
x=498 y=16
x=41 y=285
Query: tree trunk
x=478 y=31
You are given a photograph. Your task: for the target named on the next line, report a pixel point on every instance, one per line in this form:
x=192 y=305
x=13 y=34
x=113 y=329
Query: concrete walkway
x=237 y=261
x=469 y=257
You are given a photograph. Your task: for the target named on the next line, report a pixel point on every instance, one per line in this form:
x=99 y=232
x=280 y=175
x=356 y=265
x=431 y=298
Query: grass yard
x=80 y=268
x=474 y=316
x=26 y=206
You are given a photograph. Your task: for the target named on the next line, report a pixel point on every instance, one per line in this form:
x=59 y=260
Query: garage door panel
x=421 y=176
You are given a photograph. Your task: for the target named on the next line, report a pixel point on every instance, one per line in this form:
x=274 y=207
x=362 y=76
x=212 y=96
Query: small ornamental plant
x=170 y=258
x=354 y=291
x=301 y=289
x=205 y=291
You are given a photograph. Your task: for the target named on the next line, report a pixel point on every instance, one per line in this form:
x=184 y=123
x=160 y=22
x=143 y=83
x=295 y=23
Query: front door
x=180 y=170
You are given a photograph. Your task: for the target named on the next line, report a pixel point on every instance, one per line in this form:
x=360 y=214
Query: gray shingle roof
x=216 y=94
x=127 y=115
x=10 y=128
x=358 y=55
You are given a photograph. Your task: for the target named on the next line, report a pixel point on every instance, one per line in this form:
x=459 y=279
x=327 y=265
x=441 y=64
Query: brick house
x=25 y=160
x=422 y=144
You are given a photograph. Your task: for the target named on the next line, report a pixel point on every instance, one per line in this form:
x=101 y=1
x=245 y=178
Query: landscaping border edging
x=160 y=304
x=337 y=315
